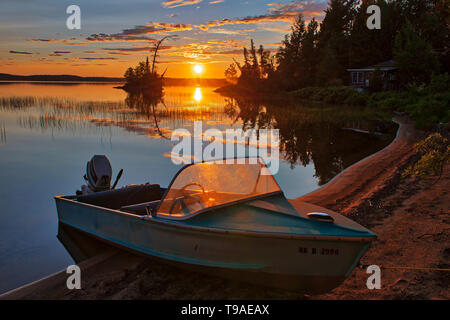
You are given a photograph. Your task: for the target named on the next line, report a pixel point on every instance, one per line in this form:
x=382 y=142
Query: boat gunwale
x=170 y=223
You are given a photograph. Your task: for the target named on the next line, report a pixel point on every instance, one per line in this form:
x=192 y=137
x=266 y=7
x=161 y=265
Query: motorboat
x=229 y=218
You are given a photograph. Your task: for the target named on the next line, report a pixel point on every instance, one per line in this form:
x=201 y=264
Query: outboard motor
x=98 y=175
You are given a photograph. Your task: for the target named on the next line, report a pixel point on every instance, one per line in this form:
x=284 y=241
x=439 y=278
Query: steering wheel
x=185 y=195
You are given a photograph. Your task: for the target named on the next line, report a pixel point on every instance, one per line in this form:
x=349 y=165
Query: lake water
x=49 y=131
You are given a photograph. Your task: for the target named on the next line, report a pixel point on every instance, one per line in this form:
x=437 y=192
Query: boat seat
x=141 y=208
x=126 y=196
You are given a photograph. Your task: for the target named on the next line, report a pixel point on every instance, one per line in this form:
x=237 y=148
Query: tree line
x=414 y=33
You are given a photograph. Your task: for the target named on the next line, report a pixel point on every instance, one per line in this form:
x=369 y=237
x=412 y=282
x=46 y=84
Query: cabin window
x=204 y=185
x=357 y=77
x=360 y=77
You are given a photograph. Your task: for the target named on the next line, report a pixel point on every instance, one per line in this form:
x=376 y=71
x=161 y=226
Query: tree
x=231 y=73
x=369 y=47
x=309 y=55
x=329 y=68
x=430 y=19
x=254 y=71
x=376 y=81
x=288 y=56
x=266 y=65
x=414 y=57
x=335 y=31
x=130 y=76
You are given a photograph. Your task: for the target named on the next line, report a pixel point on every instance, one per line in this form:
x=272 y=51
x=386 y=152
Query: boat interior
x=143 y=199
x=135 y=199
x=195 y=188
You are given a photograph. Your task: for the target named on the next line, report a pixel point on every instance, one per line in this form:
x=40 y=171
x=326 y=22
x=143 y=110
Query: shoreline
x=120 y=275
x=348 y=186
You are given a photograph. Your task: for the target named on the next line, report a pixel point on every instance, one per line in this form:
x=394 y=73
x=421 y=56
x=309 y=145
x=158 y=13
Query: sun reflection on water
x=198 y=94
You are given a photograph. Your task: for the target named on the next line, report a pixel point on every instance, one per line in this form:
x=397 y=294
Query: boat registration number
x=320 y=251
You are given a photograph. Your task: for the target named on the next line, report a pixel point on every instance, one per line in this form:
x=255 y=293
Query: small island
x=145 y=78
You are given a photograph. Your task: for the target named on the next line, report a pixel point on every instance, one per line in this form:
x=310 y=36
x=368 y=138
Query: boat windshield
x=209 y=184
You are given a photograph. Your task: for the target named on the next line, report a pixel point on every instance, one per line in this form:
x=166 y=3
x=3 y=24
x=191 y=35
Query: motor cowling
x=98 y=173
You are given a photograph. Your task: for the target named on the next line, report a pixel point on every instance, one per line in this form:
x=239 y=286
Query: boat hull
x=293 y=263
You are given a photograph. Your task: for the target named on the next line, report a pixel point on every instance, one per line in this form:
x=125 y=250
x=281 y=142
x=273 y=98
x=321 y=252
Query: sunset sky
x=116 y=34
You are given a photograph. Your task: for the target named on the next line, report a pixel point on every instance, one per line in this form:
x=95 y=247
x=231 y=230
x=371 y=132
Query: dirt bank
x=348 y=189
x=410 y=217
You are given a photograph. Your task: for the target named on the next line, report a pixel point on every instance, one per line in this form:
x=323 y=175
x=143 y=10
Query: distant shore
x=72 y=79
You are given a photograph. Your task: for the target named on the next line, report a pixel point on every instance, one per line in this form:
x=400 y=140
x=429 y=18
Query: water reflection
x=78 y=245
x=198 y=95
x=316 y=134
x=308 y=134
x=146 y=104
x=2 y=134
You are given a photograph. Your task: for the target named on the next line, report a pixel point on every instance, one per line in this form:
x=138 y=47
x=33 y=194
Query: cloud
x=216 y=1
x=98 y=58
x=19 y=52
x=178 y=3
x=119 y=53
x=246 y=20
x=227 y=31
x=229 y=43
x=157 y=27
x=103 y=37
x=59 y=53
x=276 y=12
x=71 y=41
x=137 y=49
x=41 y=40
x=280 y=29
x=226 y=52
x=137 y=33
x=308 y=8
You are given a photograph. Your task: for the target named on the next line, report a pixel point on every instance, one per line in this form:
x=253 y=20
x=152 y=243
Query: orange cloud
x=20 y=52
x=178 y=3
x=59 y=53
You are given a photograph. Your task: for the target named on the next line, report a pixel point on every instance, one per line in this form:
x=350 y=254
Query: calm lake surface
x=49 y=131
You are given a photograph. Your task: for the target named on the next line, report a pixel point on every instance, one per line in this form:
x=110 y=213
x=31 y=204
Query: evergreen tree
x=308 y=55
x=335 y=31
x=130 y=76
x=414 y=57
x=288 y=55
x=368 y=47
x=231 y=74
x=376 y=81
x=253 y=71
x=329 y=68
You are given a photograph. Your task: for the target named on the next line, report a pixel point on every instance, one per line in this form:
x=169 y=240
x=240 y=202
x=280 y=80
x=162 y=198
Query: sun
x=198 y=69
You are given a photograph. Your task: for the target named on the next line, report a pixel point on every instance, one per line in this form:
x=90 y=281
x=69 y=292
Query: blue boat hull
x=296 y=263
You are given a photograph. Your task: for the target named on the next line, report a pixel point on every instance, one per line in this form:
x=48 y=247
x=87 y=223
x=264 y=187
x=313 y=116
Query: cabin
x=360 y=78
